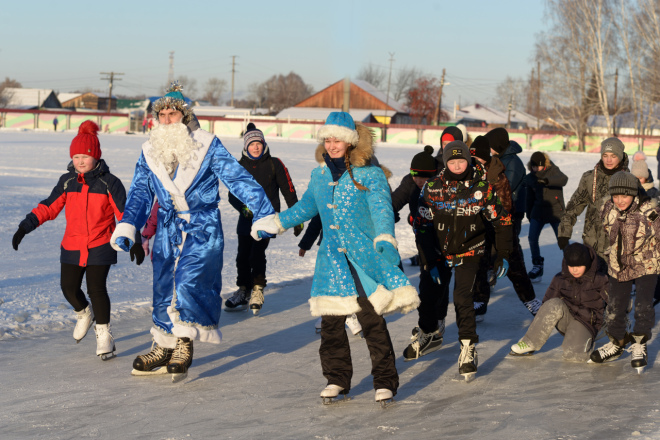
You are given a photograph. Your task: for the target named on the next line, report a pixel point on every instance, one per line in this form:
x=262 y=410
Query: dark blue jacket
x=515 y=172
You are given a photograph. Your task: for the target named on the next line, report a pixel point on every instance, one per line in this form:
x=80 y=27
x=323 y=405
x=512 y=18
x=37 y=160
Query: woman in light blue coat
x=357 y=265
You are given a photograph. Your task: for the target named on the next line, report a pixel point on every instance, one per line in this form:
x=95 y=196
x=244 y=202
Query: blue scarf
x=337 y=166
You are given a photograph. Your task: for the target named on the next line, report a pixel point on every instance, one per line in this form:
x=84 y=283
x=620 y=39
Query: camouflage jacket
x=631 y=235
x=590 y=193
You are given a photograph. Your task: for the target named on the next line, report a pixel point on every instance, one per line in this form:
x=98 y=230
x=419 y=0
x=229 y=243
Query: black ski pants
x=434 y=299
x=617 y=305
x=335 y=350
x=464 y=275
x=251 y=262
x=71 y=281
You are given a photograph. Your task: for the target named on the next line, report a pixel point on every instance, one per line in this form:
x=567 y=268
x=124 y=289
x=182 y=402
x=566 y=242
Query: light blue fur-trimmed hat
x=339 y=125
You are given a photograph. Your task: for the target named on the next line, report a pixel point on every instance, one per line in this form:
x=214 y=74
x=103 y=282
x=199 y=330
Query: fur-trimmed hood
x=362 y=154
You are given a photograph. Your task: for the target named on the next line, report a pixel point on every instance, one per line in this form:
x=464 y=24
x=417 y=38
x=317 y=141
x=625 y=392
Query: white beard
x=171 y=145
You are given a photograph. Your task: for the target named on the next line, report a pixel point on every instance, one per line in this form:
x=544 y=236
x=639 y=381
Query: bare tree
x=280 y=92
x=213 y=88
x=374 y=75
x=511 y=89
x=404 y=81
x=5 y=95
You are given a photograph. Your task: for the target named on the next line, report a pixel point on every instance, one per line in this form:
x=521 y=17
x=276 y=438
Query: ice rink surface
x=264 y=379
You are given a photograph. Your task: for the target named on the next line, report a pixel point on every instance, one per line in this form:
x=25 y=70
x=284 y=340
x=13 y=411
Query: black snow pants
x=71 y=281
x=618 y=300
x=251 y=262
x=434 y=299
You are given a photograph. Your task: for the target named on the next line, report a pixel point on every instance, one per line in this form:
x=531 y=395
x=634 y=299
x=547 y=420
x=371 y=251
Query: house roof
x=20 y=98
x=490 y=115
x=367 y=87
x=64 y=97
x=320 y=114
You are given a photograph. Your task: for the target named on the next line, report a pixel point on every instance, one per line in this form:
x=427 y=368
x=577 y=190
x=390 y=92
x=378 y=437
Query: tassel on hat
x=87 y=141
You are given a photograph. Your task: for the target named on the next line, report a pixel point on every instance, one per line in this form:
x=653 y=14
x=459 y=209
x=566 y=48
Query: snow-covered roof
x=491 y=115
x=367 y=87
x=209 y=110
x=25 y=99
x=320 y=113
x=64 y=97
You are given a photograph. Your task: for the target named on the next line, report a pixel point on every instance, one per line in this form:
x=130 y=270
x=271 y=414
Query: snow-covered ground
x=263 y=380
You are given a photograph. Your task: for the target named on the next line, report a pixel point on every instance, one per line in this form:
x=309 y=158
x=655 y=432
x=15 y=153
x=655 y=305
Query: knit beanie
x=481 y=148
x=640 y=170
x=87 y=141
x=451 y=133
x=339 y=125
x=252 y=134
x=456 y=150
x=623 y=183
x=499 y=139
x=424 y=164
x=577 y=254
x=612 y=145
x=174 y=100
x=537 y=159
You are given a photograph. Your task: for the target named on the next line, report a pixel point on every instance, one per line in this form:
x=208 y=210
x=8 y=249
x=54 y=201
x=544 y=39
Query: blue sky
x=65 y=45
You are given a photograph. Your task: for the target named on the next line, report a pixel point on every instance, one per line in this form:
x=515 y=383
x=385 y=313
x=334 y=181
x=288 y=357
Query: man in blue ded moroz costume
x=180 y=165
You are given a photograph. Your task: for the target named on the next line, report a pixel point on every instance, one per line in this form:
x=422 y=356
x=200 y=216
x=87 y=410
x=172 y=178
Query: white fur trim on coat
x=165 y=340
x=381 y=299
x=388 y=238
x=125 y=230
x=341 y=133
x=333 y=305
x=405 y=300
x=193 y=331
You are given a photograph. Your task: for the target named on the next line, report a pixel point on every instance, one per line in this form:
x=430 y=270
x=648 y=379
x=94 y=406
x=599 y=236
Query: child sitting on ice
x=574 y=304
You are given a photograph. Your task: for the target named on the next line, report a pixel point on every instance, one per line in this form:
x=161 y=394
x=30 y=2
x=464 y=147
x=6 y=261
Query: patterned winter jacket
x=585 y=297
x=545 y=202
x=93 y=200
x=515 y=173
x=632 y=238
x=458 y=210
x=353 y=220
x=496 y=176
x=591 y=193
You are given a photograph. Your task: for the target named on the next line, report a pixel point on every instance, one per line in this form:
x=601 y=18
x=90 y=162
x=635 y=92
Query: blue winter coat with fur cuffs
x=353 y=221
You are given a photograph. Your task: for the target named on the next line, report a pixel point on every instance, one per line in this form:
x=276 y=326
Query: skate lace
x=638 y=351
x=441 y=327
x=608 y=350
x=420 y=339
x=157 y=352
x=533 y=305
x=238 y=296
x=467 y=354
x=257 y=296
x=181 y=352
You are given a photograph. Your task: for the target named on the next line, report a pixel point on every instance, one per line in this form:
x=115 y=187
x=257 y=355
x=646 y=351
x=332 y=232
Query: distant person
x=449 y=134
x=544 y=205
x=55 y=121
x=641 y=170
x=151 y=124
x=640 y=156
x=93 y=198
x=144 y=125
x=631 y=223
x=591 y=193
x=574 y=304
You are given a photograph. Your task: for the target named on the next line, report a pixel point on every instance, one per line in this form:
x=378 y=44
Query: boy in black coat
x=273 y=176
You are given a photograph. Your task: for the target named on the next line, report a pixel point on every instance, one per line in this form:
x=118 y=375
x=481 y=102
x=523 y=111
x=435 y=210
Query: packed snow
x=263 y=381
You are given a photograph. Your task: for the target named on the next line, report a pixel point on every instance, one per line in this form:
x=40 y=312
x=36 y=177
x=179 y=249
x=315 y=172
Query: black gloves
x=562 y=242
x=297 y=229
x=18 y=237
x=543 y=181
x=137 y=252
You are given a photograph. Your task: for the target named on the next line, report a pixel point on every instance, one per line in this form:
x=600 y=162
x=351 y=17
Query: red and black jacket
x=92 y=200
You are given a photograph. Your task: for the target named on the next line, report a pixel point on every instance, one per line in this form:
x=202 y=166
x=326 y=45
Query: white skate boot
x=105 y=343
x=354 y=325
x=467 y=360
x=385 y=397
x=330 y=393
x=257 y=299
x=85 y=319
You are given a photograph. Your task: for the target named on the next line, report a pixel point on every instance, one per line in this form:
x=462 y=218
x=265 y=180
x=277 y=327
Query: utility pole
x=233 y=71
x=387 y=98
x=508 y=121
x=616 y=83
x=170 y=73
x=538 y=96
x=436 y=115
x=111 y=78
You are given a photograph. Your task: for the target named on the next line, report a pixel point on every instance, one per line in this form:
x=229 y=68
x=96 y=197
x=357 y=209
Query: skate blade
x=479 y=318
x=107 y=356
x=178 y=377
x=337 y=399
x=255 y=312
x=385 y=403
x=359 y=334
x=536 y=281
x=465 y=377
x=640 y=370
x=235 y=309
x=155 y=372
x=529 y=353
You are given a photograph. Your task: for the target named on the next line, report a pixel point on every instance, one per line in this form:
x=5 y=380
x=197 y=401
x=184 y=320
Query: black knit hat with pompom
x=424 y=164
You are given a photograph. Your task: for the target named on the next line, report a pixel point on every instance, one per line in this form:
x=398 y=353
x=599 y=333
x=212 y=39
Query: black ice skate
x=467 y=360
x=238 y=302
x=181 y=359
x=257 y=299
x=422 y=343
x=384 y=397
x=638 y=350
x=480 y=309
x=153 y=363
x=331 y=392
x=608 y=352
x=533 y=306
x=536 y=274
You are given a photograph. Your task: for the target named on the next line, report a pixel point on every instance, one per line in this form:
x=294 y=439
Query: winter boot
x=422 y=343
x=533 y=305
x=182 y=356
x=638 y=350
x=467 y=360
x=238 y=301
x=331 y=392
x=257 y=299
x=354 y=325
x=85 y=319
x=480 y=309
x=536 y=274
x=384 y=396
x=521 y=349
x=105 y=343
x=158 y=357
x=441 y=328
x=608 y=352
